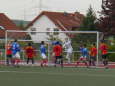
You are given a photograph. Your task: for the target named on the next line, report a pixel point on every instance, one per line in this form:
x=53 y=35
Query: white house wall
x=41 y=25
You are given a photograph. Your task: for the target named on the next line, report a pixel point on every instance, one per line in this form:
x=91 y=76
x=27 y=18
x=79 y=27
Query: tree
x=89 y=22
x=107 y=19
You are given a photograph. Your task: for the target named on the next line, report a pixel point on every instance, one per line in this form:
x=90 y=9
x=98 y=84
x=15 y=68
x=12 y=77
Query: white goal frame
x=84 y=32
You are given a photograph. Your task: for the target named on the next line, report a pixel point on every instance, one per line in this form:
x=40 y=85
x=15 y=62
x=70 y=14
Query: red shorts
x=82 y=58
x=30 y=55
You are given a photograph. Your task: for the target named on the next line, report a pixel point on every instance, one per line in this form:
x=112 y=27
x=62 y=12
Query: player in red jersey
x=30 y=53
x=9 y=53
x=93 y=54
x=104 y=53
x=57 y=50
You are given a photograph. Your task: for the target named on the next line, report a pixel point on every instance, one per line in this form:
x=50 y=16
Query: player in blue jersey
x=84 y=55
x=43 y=54
x=16 y=52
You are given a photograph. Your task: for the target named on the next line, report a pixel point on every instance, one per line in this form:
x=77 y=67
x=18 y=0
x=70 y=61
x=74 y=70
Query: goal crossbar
x=53 y=31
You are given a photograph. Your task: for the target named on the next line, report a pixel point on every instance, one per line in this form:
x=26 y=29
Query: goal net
x=77 y=38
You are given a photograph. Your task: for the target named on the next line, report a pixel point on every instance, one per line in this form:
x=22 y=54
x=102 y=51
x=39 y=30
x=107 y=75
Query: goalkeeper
x=68 y=47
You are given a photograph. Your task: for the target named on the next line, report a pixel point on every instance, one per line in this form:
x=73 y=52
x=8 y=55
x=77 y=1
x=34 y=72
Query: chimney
x=65 y=13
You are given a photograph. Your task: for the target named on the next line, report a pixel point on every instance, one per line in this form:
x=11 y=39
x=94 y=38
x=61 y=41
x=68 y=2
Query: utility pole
x=40 y=5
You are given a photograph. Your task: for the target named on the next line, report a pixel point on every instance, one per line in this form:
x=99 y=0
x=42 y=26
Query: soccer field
x=37 y=76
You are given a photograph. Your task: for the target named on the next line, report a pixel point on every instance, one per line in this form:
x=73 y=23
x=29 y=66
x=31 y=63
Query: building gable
x=65 y=21
x=6 y=24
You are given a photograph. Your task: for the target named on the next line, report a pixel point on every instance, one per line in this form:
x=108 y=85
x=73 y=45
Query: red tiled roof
x=62 y=20
x=8 y=25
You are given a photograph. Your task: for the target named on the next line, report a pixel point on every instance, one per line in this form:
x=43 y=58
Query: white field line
x=62 y=74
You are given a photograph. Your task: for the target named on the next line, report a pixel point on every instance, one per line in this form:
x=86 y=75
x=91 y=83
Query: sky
x=29 y=9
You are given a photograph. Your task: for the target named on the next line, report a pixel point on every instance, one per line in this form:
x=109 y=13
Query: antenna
x=40 y=5
x=24 y=14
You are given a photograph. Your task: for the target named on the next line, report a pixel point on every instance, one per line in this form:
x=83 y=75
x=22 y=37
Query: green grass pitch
x=37 y=76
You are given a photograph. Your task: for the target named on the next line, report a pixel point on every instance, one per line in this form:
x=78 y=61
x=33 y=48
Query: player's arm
x=18 y=47
x=64 y=45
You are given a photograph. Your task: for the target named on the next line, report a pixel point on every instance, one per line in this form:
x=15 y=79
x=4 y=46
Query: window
x=56 y=29
x=33 y=29
x=48 y=29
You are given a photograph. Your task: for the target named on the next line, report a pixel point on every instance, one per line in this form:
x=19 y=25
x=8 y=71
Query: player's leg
x=27 y=60
x=79 y=60
x=61 y=61
x=42 y=61
x=45 y=62
x=106 y=61
x=8 y=60
x=68 y=57
x=32 y=60
x=13 y=60
x=55 y=62
x=90 y=61
x=85 y=61
x=93 y=60
x=17 y=59
x=17 y=62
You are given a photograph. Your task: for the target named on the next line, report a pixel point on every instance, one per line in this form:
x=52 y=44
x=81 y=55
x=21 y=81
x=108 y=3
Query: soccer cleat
x=41 y=65
x=106 y=67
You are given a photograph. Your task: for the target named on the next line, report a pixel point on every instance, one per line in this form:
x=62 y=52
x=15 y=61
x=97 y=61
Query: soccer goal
x=77 y=38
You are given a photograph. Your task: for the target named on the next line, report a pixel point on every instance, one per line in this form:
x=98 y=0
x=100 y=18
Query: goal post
x=49 y=36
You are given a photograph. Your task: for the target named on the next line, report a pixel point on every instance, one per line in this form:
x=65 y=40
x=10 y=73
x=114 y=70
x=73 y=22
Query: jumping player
x=43 y=54
x=57 y=50
x=30 y=53
x=84 y=55
x=104 y=53
x=67 y=45
x=93 y=54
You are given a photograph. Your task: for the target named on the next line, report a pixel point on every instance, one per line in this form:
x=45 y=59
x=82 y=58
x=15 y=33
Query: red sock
x=13 y=61
x=78 y=62
x=86 y=64
x=42 y=62
x=17 y=61
x=46 y=61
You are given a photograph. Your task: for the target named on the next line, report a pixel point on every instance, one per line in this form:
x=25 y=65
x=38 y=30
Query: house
x=7 y=24
x=54 y=21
